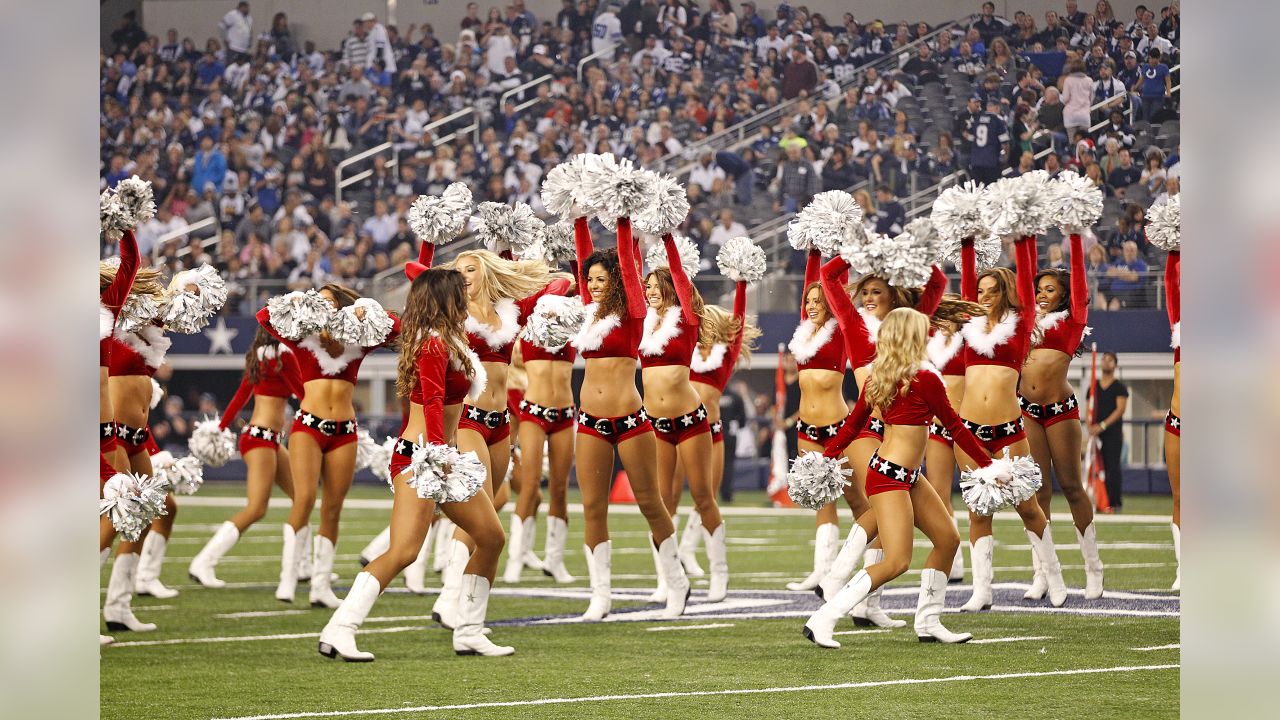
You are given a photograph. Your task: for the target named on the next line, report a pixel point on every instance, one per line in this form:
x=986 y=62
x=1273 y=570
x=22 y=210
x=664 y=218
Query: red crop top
x=612 y=335
x=1173 y=301
x=277 y=377
x=859 y=327
x=1008 y=343
x=137 y=353
x=1062 y=330
x=530 y=352
x=817 y=348
x=112 y=298
x=433 y=364
x=671 y=339
x=924 y=400
x=457 y=384
x=315 y=363
x=716 y=369
x=495 y=344
x=945 y=352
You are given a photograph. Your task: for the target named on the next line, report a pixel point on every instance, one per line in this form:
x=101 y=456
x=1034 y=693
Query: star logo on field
x=220 y=337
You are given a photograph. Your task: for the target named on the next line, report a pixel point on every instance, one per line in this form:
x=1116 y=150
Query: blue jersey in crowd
x=989 y=135
x=1153 y=80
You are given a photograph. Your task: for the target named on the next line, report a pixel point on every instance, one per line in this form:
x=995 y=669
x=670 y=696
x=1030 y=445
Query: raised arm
x=433 y=360
x=583 y=248
x=857 y=339
x=852 y=425
x=264 y=319
x=968 y=271
x=559 y=286
x=684 y=288
x=1079 y=282
x=118 y=291
x=931 y=298
x=812 y=272
x=237 y=402
x=934 y=392
x=1173 y=287
x=1025 y=262
x=629 y=267
x=426 y=254
x=739 y=314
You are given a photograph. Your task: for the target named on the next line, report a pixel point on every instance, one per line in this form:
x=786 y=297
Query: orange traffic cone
x=621 y=492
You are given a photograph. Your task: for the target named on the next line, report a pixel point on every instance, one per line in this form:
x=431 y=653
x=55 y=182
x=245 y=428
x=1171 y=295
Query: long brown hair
x=342 y=295
x=615 y=300
x=667 y=288
x=953 y=312
x=436 y=305
x=261 y=339
x=1007 y=283
x=826 y=307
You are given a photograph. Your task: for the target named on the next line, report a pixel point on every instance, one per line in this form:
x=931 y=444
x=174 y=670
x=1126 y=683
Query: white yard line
x=250 y=638
x=1175 y=646
x=690 y=627
x=707 y=693
x=992 y=641
x=260 y=614
x=874 y=631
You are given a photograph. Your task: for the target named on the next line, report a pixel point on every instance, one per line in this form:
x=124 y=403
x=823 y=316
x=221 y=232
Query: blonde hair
x=720 y=326
x=901 y=346
x=514 y=279
x=148 y=281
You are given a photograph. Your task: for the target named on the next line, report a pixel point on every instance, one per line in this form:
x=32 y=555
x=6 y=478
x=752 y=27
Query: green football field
x=239 y=653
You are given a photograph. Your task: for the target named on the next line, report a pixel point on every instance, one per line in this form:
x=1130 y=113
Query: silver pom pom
x=139 y=311
x=957 y=214
x=113 y=218
x=557 y=243
x=925 y=233
x=467 y=474
x=183 y=476
x=1006 y=482
x=910 y=261
x=562 y=190
x=370 y=454
x=437 y=219
x=137 y=199
x=503 y=227
x=555 y=321
x=690 y=260
x=298 y=314
x=209 y=286
x=667 y=211
x=1019 y=206
x=870 y=256
x=210 y=444
x=442 y=474
x=816 y=481
x=616 y=189
x=1164 y=224
x=741 y=260
x=132 y=502
x=362 y=324
x=381 y=468
x=1078 y=203
x=184 y=313
x=831 y=220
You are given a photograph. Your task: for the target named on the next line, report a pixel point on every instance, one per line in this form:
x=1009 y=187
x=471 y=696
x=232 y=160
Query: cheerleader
x=909 y=393
x=270 y=378
x=612 y=416
x=724 y=338
x=1051 y=411
x=995 y=347
x=547 y=416
x=680 y=419
x=322 y=441
x=434 y=347
x=860 y=327
x=1173 y=421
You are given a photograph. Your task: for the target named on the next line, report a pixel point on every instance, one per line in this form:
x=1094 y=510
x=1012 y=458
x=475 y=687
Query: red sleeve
x=739 y=314
x=555 y=287
x=1173 y=287
x=237 y=402
x=118 y=291
x=931 y=298
x=853 y=424
x=857 y=340
x=1079 y=282
x=291 y=373
x=582 y=245
x=425 y=255
x=629 y=262
x=812 y=273
x=433 y=361
x=684 y=288
x=968 y=271
x=395 y=330
x=264 y=319
x=1026 y=264
x=934 y=393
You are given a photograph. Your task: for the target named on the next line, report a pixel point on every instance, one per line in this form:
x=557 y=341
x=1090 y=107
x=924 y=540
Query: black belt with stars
x=688 y=420
x=987 y=433
x=264 y=433
x=818 y=431
x=613 y=426
x=328 y=428
x=893 y=470
x=1048 y=411
x=490 y=419
x=549 y=414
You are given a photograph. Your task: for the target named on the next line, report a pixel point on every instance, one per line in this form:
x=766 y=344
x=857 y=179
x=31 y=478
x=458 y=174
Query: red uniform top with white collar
x=924 y=400
x=277 y=377
x=945 y=351
x=859 y=327
x=315 y=362
x=140 y=352
x=112 y=298
x=457 y=384
x=1008 y=343
x=611 y=335
x=671 y=339
x=1063 y=330
x=817 y=347
x=717 y=367
x=495 y=344
x=1173 y=301
x=433 y=362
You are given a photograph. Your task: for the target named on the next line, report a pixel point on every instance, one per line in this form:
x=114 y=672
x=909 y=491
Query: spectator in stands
x=964 y=122
x=837 y=173
x=922 y=68
x=796 y=182
x=237 y=31
x=890 y=215
x=1117 y=129
x=988 y=25
x=725 y=229
x=799 y=75
x=871 y=108
x=1153 y=175
x=1001 y=60
x=706 y=173
x=606 y=30
x=1077 y=96
x=1096 y=265
x=1157 y=85
x=1128 y=275
x=209 y=165
x=1125 y=174
x=990 y=144
x=968 y=61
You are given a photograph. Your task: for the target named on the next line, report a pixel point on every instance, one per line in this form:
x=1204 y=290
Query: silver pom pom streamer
x=182 y=476
x=131 y=502
x=741 y=260
x=210 y=287
x=557 y=243
x=562 y=190
x=1164 y=224
x=370 y=454
x=139 y=311
x=210 y=444
x=442 y=474
x=1019 y=206
x=1078 y=204
x=831 y=219
x=923 y=231
x=437 y=219
x=957 y=213
x=113 y=218
x=382 y=470
x=868 y=257
x=555 y=321
x=362 y=324
x=503 y=227
x=815 y=481
x=137 y=198
x=668 y=210
x=615 y=189
x=909 y=262
x=1005 y=483
x=298 y=314
x=690 y=259
x=185 y=313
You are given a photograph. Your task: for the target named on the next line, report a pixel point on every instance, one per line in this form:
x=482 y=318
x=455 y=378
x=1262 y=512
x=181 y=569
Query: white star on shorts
x=1057 y=407
x=253 y=431
x=1175 y=422
x=833 y=430
x=701 y=413
x=351 y=426
x=900 y=474
x=1071 y=402
x=1010 y=428
x=308 y=420
x=686 y=420
x=631 y=422
x=473 y=413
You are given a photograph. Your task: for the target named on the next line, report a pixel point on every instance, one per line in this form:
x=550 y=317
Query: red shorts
x=997 y=437
x=254 y=437
x=676 y=430
x=134 y=440
x=717 y=432
x=551 y=420
x=150 y=445
x=329 y=434
x=820 y=434
x=937 y=433
x=1051 y=414
x=1173 y=424
x=514 y=398
x=492 y=425
x=883 y=476
x=105 y=471
x=107 y=440
x=615 y=430
x=401 y=456
x=874 y=429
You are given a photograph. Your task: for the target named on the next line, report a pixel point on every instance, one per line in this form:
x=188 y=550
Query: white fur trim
x=926 y=366
x=808 y=340
x=106 y=322
x=508 y=325
x=595 y=329
x=1049 y=321
x=713 y=361
x=656 y=336
x=984 y=342
x=872 y=322
x=150 y=342
x=479 y=376
x=330 y=365
x=157 y=393
x=943 y=349
x=268 y=352
x=1175 y=338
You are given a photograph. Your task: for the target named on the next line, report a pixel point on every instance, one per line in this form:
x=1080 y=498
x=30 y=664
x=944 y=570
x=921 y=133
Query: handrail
x=502 y=100
x=740 y=128
x=339 y=182
x=1110 y=100
x=186 y=250
x=582 y=63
